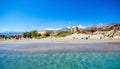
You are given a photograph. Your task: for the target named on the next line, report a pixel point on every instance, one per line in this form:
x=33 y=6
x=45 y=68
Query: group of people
x=92 y=37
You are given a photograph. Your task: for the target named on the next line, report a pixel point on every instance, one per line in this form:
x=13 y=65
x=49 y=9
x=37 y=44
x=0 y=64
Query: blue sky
x=26 y=15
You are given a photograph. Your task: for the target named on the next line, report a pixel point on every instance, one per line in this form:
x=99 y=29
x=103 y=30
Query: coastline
x=59 y=40
x=62 y=43
x=59 y=47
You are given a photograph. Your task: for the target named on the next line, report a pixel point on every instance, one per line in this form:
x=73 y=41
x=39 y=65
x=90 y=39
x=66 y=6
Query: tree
x=46 y=34
x=34 y=34
x=24 y=35
x=39 y=35
x=27 y=34
x=63 y=33
x=2 y=36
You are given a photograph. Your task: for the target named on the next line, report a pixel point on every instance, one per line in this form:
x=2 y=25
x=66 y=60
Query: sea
x=10 y=59
x=11 y=33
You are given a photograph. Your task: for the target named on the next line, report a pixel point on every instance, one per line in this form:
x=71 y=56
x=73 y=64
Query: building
x=74 y=30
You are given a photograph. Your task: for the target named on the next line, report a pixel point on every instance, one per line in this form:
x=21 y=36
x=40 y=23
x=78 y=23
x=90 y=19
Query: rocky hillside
x=108 y=30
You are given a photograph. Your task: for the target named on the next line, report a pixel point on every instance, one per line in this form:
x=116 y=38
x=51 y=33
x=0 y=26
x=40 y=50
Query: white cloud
x=73 y=26
x=101 y=24
x=82 y=27
x=68 y=27
x=53 y=28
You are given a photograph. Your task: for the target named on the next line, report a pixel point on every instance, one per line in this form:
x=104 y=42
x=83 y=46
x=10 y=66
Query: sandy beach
x=59 y=40
x=59 y=44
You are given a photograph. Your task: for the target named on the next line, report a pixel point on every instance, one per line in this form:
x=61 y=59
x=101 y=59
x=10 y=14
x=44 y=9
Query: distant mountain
x=81 y=26
x=87 y=29
x=58 y=29
x=52 y=29
x=107 y=27
x=65 y=29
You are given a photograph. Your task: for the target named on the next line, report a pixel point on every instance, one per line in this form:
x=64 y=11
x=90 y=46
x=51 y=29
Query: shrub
x=46 y=35
x=27 y=35
x=64 y=33
x=34 y=34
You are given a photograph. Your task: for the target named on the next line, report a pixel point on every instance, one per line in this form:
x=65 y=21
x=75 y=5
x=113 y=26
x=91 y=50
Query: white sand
x=58 y=40
x=67 y=39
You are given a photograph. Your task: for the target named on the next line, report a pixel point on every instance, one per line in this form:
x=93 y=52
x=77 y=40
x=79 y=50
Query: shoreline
x=62 y=44
x=66 y=48
x=59 y=40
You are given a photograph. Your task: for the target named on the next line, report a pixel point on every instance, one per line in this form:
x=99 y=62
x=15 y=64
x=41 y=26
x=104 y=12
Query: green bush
x=46 y=35
x=64 y=33
x=27 y=34
x=70 y=32
x=34 y=34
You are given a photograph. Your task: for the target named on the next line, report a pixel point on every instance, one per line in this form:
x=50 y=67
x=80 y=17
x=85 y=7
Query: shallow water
x=54 y=44
x=59 y=60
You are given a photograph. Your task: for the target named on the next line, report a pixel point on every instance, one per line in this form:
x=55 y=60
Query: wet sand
x=61 y=44
x=64 y=47
x=59 y=40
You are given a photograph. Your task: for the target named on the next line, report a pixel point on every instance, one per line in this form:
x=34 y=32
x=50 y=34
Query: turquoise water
x=59 y=60
x=11 y=33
